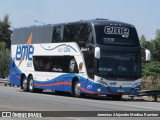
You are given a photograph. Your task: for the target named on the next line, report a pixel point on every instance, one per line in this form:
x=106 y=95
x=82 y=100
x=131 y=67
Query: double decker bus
x=100 y=57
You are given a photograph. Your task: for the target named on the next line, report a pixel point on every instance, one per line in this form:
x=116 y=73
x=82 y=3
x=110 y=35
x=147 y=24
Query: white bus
x=100 y=57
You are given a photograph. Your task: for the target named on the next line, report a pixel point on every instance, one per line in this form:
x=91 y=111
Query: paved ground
x=14 y=99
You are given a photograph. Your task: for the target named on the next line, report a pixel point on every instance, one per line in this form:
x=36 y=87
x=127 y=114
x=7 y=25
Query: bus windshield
x=120 y=66
x=116 y=35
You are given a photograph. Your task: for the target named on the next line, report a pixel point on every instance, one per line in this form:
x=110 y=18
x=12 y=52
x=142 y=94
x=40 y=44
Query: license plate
x=120 y=90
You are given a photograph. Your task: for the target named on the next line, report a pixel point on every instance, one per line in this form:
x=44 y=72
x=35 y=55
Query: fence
x=154 y=93
x=5 y=81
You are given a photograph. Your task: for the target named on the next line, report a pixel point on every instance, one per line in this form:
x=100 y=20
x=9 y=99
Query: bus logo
x=113 y=30
x=25 y=52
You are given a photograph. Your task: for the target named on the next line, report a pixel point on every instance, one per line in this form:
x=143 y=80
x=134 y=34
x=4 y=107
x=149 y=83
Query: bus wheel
x=76 y=90
x=25 y=84
x=31 y=84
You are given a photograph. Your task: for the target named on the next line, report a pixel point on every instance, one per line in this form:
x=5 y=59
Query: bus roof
x=106 y=21
x=101 y=21
x=44 y=33
x=94 y=21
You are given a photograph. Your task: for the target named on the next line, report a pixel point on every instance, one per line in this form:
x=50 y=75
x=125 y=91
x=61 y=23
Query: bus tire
x=76 y=90
x=22 y=79
x=25 y=84
x=31 y=86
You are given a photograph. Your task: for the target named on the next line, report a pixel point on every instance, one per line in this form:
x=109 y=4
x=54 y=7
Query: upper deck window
x=80 y=33
x=116 y=35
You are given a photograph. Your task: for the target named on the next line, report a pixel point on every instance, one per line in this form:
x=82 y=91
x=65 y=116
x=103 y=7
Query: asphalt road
x=14 y=99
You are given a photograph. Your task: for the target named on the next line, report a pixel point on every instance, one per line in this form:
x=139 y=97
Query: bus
x=96 y=57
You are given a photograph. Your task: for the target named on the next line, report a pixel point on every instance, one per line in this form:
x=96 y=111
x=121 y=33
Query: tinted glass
x=89 y=61
x=119 y=66
x=55 y=64
x=58 y=34
x=79 y=33
x=116 y=35
x=41 y=34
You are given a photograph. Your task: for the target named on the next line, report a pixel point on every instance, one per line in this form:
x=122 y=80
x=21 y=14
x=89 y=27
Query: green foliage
x=152 y=69
x=5 y=45
x=5 y=32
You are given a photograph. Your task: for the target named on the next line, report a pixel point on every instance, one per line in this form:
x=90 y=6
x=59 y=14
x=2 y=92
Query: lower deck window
x=65 y=64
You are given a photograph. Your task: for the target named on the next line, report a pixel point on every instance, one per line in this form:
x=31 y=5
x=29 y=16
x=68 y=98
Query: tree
x=156 y=46
x=158 y=34
x=4 y=60
x=2 y=49
x=5 y=32
x=152 y=69
x=5 y=45
x=143 y=40
x=144 y=43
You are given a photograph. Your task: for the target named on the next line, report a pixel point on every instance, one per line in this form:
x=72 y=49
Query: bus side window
x=66 y=64
x=69 y=33
x=73 y=68
x=89 y=61
x=57 y=34
x=78 y=33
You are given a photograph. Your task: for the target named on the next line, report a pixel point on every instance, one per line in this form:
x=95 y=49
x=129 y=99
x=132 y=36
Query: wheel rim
x=31 y=85
x=24 y=84
x=77 y=90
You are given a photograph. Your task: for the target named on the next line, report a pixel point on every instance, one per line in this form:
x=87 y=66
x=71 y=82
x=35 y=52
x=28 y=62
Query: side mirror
x=97 y=53
x=147 y=55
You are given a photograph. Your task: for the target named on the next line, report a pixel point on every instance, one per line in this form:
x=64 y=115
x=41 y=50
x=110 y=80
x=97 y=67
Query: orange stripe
x=21 y=59
x=29 y=41
x=20 y=63
x=54 y=84
x=90 y=92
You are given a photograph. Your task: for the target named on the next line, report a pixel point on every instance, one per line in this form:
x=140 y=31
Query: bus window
x=65 y=64
x=57 y=34
x=73 y=68
x=89 y=61
x=116 y=35
x=77 y=33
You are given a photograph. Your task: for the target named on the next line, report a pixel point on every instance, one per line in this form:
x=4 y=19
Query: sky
x=143 y=14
